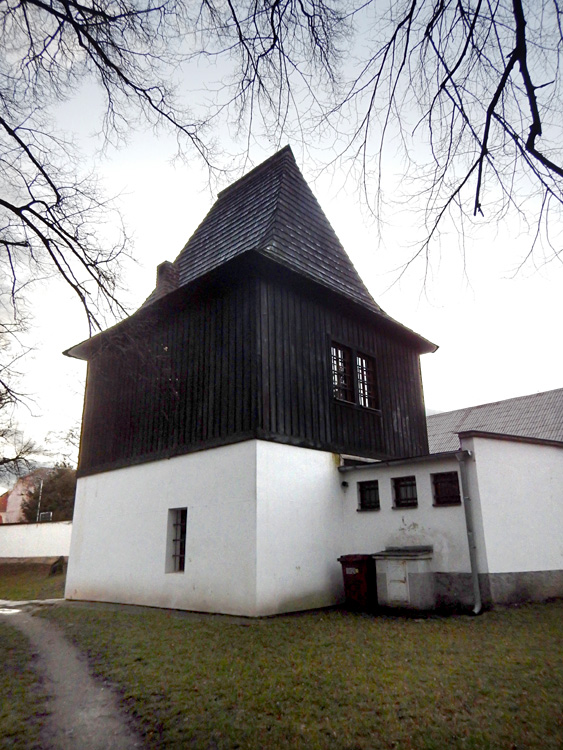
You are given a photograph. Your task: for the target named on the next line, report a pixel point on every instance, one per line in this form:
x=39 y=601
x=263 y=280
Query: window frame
x=342 y=391
x=451 y=499
x=366 y=379
x=176 y=540
x=359 y=374
x=399 y=484
x=366 y=487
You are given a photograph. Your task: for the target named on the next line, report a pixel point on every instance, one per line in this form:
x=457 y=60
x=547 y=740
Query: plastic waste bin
x=360 y=587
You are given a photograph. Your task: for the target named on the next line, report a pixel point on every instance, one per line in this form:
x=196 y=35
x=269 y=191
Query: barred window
x=368 y=495
x=367 y=384
x=342 y=380
x=404 y=492
x=354 y=377
x=178 y=524
x=445 y=487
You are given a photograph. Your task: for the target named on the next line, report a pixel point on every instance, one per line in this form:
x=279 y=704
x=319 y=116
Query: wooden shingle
x=273 y=211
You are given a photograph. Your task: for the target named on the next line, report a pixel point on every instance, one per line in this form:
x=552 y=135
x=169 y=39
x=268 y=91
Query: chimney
x=166 y=279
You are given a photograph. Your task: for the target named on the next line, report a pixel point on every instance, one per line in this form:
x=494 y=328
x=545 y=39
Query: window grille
x=179 y=523
x=404 y=489
x=369 y=495
x=367 y=385
x=342 y=380
x=445 y=486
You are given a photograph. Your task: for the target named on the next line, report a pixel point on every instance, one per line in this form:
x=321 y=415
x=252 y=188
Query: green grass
x=332 y=679
x=23 y=581
x=20 y=689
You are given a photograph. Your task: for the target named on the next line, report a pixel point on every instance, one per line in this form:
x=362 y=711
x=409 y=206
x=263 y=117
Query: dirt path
x=83 y=712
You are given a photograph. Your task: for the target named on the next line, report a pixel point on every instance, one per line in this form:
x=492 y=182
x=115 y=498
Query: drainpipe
x=468 y=508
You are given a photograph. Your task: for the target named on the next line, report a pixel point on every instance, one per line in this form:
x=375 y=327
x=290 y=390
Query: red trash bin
x=360 y=586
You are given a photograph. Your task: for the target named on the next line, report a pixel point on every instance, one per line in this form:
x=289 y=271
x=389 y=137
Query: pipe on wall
x=469 y=525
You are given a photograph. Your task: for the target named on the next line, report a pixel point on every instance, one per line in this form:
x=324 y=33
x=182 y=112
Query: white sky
x=499 y=335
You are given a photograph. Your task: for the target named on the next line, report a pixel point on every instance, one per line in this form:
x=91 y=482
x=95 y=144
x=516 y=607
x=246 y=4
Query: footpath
x=83 y=712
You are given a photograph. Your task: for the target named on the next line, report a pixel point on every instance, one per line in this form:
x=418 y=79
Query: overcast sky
x=498 y=332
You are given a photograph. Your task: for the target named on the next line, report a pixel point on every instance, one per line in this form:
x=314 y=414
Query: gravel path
x=83 y=712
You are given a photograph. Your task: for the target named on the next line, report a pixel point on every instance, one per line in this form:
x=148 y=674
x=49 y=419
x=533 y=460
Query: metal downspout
x=468 y=508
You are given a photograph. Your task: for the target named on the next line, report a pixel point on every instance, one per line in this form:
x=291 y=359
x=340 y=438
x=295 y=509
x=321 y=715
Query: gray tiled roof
x=537 y=416
x=273 y=211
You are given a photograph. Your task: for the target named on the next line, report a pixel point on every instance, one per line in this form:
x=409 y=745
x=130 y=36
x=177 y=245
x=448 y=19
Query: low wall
x=35 y=540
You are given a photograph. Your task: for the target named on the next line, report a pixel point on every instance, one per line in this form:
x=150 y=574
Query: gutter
x=469 y=525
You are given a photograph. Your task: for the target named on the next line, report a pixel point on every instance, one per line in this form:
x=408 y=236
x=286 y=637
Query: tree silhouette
x=56 y=494
x=476 y=80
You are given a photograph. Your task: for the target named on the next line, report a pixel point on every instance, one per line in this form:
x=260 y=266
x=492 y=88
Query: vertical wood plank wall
x=175 y=384
x=297 y=403
x=246 y=359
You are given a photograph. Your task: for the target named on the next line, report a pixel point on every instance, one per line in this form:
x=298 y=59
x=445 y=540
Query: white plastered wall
x=24 y=540
x=371 y=531
x=118 y=548
x=263 y=531
x=267 y=523
x=517 y=488
x=299 y=524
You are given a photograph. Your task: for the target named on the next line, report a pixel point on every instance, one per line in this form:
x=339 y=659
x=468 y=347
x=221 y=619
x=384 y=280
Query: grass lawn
x=21 y=693
x=332 y=679
x=22 y=581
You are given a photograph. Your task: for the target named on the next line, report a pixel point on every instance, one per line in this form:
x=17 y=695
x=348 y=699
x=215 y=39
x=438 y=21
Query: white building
x=218 y=418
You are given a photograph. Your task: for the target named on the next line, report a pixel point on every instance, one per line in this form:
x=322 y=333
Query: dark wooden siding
x=297 y=405
x=246 y=355
x=173 y=382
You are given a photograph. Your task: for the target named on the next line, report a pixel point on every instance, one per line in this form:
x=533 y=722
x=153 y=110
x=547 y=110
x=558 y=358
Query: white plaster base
x=261 y=531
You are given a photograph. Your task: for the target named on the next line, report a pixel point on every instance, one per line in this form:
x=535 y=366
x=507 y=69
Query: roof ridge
x=494 y=403
x=267 y=238
x=288 y=174
x=286 y=150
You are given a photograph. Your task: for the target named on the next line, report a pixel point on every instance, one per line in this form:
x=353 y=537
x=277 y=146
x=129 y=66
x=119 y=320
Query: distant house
x=4 y=505
x=261 y=416
x=11 y=501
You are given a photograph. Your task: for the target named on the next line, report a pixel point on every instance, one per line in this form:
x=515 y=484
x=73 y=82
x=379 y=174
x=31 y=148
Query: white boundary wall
x=23 y=540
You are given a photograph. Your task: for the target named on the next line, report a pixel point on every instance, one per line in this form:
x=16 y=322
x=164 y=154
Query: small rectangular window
x=404 y=492
x=367 y=384
x=368 y=495
x=445 y=487
x=342 y=376
x=176 y=546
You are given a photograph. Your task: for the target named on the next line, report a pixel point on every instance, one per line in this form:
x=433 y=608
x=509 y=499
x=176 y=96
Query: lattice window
x=368 y=494
x=404 y=491
x=179 y=524
x=445 y=486
x=367 y=383
x=342 y=376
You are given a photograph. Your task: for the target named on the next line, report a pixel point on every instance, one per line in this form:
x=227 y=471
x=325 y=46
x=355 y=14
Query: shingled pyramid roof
x=272 y=211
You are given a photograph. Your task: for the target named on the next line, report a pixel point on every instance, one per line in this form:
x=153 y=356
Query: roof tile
x=539 y=415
